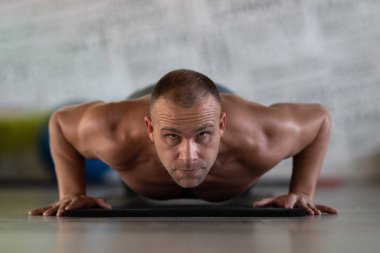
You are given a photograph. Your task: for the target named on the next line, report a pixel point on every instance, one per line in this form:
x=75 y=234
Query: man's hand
x=70 y=202
x=296 y=200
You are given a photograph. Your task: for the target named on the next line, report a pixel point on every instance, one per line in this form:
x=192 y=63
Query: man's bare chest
x=150 y=179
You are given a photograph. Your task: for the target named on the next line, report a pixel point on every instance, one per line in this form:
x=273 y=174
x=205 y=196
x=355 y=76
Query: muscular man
x=185 y=138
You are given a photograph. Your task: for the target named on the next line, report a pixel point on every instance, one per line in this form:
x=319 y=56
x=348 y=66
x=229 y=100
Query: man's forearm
x=307 y=164
x=67 y=161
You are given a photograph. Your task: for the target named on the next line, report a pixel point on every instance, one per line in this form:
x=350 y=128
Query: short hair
x=184 y=88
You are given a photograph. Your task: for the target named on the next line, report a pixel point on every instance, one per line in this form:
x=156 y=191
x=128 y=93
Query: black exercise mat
x=188 y=211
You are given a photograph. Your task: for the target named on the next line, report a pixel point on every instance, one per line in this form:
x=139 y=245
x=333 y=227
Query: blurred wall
x=325 y=51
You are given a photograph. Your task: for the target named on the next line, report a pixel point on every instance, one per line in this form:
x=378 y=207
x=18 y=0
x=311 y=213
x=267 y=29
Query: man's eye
x=203 y=134
x=172 y=136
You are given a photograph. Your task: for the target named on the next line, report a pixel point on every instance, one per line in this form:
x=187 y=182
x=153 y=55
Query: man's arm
x=310 y=135
x=307 y=163
x=304 y=131
x=64 y=140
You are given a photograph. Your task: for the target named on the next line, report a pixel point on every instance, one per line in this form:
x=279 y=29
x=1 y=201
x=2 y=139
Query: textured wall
x=323 y=51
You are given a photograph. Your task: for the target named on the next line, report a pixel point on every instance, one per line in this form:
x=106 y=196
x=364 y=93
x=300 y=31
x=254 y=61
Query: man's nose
x=188 y=151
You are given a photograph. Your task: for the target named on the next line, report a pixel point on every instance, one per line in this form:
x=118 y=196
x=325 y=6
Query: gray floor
x=355 y=229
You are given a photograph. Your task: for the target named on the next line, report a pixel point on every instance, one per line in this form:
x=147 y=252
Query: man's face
x=186 y=139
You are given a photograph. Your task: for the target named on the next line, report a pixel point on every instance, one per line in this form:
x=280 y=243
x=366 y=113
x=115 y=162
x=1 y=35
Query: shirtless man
x=186 y=137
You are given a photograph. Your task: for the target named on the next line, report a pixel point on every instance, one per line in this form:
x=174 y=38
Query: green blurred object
x=20 y=133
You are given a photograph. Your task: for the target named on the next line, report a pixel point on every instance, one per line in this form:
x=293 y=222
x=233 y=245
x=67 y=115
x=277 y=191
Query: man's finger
x=264 y=202
x=291 y=201
x=304 y=204
x=75 y=204
x=51 y=211
x=38 y=211
x=62 y=207
x=103 y=203
x=314 y=208
x=316 y=211
x=327 y=209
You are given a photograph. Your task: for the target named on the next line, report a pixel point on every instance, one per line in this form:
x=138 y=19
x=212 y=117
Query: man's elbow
x=55 y=122
x=57 y=118
x=325 y=118
x=54 y=119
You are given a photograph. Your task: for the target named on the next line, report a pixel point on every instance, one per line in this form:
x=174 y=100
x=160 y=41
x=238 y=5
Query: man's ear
x=149 y=127
x=222 y=122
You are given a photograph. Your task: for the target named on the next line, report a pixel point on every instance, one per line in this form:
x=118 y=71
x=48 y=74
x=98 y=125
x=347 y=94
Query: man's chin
x=188 y=182
x=188 y=178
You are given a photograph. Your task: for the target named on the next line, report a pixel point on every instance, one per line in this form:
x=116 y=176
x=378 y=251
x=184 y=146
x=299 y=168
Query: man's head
x=185 y=125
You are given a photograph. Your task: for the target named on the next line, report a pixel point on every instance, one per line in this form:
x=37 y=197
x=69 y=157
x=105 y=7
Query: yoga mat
x=188 y=211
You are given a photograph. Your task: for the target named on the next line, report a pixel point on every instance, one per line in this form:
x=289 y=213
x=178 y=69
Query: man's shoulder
x=236 y=102
x=113 y=115
x=228 y=97
x=114 y=126
x=111 y=112
x=242 y=113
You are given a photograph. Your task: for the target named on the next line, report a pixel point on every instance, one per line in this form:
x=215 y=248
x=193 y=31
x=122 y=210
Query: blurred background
x=54 y=53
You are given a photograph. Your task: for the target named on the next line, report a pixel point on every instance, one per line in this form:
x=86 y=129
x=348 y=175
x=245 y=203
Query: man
x=186 y=139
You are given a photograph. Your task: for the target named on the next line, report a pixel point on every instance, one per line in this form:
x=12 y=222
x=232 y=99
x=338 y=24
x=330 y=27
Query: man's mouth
x=188 y=172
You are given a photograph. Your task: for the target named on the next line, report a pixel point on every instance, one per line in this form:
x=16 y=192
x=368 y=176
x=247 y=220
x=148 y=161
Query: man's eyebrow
x=199 y=129
x=205 y=126
x=170 y=129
